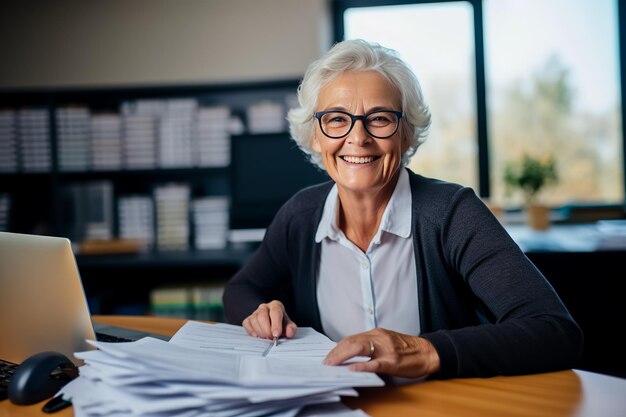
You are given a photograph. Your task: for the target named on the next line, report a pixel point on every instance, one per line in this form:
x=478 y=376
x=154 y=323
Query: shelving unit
x=264 y=168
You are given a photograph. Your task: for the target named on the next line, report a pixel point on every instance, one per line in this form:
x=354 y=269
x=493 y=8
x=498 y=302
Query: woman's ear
x=406 y=143
x=315 y=144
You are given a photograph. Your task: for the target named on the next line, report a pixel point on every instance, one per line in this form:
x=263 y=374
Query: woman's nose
x=359 y=135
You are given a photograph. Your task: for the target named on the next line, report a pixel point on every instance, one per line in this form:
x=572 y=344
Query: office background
x=100 y=56
x=75 y=43
x=103 y=54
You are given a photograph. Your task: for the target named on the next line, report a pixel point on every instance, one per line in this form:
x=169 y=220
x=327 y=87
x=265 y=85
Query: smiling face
x=359 y=162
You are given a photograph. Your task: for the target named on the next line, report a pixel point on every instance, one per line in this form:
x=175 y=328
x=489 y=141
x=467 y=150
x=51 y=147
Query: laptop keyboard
x=102 y=337
x=7 y=368
x=6 y=372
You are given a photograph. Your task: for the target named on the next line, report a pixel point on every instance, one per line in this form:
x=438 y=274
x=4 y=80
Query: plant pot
x=538 y=216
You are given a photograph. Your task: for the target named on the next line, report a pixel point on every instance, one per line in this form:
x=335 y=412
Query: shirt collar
x=328 y=223
x=396 y=217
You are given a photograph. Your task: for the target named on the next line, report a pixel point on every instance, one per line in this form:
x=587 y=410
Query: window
x=447 y=79
x=551 y=86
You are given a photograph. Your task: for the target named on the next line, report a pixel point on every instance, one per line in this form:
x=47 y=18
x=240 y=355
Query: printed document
x=214 y=370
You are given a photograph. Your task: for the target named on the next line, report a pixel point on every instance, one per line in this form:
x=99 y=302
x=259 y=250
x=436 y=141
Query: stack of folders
x=34 y=132
x=74 y=127
x=106 y=141
x=172 y=208
x=136 y=219
x=206 y=301
x=171 y=302
x=211 y=222
x=5 y=207
x=213 y=136
x=140 y=132
x=8 y=141
x=197 y=302
x=212 y=370
x=139 y=150
x=266 y=117
x=176 y=133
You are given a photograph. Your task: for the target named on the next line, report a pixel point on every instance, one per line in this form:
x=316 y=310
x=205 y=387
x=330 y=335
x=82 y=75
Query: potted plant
x=530 y=176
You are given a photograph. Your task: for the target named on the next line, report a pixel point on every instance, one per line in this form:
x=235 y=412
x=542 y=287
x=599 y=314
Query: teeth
x=358 y=159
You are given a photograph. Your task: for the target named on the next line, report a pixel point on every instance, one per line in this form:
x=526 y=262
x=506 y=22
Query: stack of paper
x=266 y=117
x=106 y=141
x=213 y=136
x=211 y=370
x=73 y=142
x=138 y=148
x=172 y=209
x=33 y=125
x=211 y=222
x=171 y=301
x=136 y=218
x=176 y=133
x=206 y=301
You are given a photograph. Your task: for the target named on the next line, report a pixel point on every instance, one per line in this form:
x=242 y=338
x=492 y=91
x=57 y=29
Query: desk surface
x=556 y=394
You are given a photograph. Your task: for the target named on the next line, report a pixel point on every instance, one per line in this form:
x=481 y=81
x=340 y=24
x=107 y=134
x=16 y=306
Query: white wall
x=116 y=42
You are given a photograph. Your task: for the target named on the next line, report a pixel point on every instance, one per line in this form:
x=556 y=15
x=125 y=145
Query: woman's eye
x=378 y=120
x=336 y=119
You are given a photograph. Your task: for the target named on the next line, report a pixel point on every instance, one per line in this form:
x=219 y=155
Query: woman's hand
x=392 y=353
x=270 y=320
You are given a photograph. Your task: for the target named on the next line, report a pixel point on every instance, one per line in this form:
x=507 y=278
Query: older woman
x=414 y=272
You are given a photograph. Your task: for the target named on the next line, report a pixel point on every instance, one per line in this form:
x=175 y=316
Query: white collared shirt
x=359 y=291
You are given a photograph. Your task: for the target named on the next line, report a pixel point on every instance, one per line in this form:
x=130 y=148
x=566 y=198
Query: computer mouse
x=39 y=377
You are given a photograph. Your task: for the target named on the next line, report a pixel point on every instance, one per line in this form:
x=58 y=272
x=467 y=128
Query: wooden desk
x=556 y=394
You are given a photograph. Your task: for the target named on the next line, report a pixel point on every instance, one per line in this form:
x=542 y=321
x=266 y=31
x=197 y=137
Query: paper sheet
x=213 y=371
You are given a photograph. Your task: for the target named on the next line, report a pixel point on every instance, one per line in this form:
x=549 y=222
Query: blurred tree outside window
x=552 y=88
x=437 y=41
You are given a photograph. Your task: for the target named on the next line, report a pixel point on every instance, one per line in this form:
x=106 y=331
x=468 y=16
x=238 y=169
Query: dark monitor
x=267 y=169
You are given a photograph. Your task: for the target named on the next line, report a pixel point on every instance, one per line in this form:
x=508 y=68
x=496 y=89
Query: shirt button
x=370 y=311
x=364 y=265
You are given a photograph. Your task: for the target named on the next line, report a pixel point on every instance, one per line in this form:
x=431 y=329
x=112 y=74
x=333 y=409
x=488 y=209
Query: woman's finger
x=264 y=322
x=270 y=320
x=290 y=328
x=248 y=327
x=374 y=365
x=348 y=348
x=276 y=315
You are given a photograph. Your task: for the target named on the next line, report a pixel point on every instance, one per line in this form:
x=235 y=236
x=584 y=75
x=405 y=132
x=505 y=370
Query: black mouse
x=40 y=377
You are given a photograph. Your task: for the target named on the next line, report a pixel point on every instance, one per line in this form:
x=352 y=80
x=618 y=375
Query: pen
x=269 y=347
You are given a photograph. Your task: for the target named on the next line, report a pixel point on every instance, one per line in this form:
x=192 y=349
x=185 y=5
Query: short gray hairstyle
x=359 y=55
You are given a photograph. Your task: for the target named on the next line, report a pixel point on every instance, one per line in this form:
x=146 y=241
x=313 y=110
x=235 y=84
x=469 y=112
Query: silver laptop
x=42 y=302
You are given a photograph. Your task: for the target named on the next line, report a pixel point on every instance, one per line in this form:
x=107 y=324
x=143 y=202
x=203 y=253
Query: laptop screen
x=42 y=302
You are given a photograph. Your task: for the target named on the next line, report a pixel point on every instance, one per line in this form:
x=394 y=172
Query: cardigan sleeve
x=265 y=276
x=529 y=330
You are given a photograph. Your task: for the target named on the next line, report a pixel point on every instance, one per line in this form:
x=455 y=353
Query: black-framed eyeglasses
x=380 y=124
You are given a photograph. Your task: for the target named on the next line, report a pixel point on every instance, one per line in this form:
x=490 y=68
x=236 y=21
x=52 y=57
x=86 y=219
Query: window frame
x=484 y=187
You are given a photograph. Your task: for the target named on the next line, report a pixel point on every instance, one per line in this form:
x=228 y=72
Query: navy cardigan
x=482 y=303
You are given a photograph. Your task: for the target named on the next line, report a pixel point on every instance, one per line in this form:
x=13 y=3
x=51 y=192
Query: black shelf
x=39 y=199
x=168 y=174
x=204 y=181
x=229 y=257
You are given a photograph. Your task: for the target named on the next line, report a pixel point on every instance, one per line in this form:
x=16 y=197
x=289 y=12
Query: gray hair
x=359 y=55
